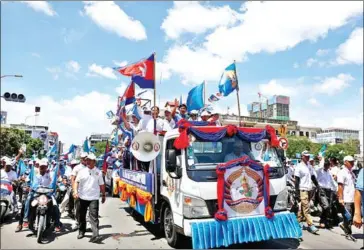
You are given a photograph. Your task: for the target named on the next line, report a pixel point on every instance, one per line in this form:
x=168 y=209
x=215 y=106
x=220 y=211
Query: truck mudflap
x=213 y=234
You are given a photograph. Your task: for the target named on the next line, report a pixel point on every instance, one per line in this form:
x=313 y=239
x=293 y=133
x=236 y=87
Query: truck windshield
x=203 y=155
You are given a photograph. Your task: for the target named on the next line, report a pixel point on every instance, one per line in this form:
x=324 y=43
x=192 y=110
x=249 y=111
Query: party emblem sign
x=243 y=194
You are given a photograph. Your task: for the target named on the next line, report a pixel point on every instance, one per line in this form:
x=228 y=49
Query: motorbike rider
x=10 y=175
x=42 y=178
x=327 y=191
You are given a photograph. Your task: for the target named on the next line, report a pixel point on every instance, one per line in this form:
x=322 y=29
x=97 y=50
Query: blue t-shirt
x=360 y=187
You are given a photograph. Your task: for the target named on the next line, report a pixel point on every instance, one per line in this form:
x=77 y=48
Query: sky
x=310 y=51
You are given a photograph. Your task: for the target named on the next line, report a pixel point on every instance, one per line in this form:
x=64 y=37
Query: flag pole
x=155 y=94
x=204 y=93
x=237 y=94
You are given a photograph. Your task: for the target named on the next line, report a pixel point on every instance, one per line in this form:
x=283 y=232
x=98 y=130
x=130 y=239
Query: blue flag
x=86 y=147
x=115 y=140
x=195 y=98
x=135 y=111
x=53 y=151
x=92 y=149
x=109 y=114
x=323 y=150
x=228 y=82
x=21 y=168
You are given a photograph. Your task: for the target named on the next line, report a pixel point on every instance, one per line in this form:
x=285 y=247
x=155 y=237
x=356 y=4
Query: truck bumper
x=210 y=233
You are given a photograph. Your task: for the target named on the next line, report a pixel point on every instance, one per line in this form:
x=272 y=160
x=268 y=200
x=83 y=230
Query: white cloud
x=121 y=89
x=310 y=62
x=350 y=122
x=332 y=85
x=351 y=51
x=97 y=70
x=193 y=17
x=322 y=52
x=275 y=88
x=120 y=64
x=191 y=64
x=55 y=71
x=41 y=6
x=76 y=117
x=73 y=66
x=35 y=54
x=313 y=101
x=162 y=69
x=296 y=65
x=278 y=26
x=111 y=17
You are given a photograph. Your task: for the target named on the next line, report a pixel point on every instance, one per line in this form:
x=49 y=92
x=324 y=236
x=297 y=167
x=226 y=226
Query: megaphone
x=145 y=146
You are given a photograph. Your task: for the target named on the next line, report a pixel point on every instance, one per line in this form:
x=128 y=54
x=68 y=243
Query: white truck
x=184 y=189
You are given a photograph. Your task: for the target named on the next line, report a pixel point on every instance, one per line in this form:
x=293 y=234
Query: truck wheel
x=172 y=237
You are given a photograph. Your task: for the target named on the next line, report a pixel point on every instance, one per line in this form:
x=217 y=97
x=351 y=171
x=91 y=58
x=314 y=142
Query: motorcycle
x=42 y=204
x=63 y=187
x=292 y=202
x=6 y=205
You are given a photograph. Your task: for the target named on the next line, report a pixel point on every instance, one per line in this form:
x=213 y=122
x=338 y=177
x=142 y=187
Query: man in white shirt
x=160 y=125
x=142 y=125
x=9 y=175
x=74 y=174
x=169 y=123
x=327 y=190
x=87 y=187
x=304 y=177
x=345 y=193
x=334 y=169
x=237 y=151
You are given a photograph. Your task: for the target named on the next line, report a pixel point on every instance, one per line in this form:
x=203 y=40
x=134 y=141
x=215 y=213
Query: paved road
x=121 y=231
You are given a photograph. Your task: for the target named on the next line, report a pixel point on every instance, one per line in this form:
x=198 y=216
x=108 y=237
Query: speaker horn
x=145 y=146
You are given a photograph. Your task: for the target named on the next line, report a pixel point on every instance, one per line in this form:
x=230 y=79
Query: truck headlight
x=281 y=201
x=194 y=207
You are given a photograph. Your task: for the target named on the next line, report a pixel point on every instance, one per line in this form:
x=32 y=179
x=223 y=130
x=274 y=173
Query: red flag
x=142 y=72
x=104 y=164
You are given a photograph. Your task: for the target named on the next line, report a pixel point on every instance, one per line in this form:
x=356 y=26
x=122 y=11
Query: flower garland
x=214 y=134
x=137 y=195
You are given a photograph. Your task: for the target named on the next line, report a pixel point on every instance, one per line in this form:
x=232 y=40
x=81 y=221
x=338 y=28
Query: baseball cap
x=83 y=155
x=8 y=162
x=74 y=162
x=349 y=158
x=205 y=113
x=305 y=153
x=91 y=156
x=194 y=112
x=43 y=163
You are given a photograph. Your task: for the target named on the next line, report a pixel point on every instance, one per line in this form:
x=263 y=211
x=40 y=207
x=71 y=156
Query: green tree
x=100 y=147
x=298 y=144
x=12 y=139
x=341 y=150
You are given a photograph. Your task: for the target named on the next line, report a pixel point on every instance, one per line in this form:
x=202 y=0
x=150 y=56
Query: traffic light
x=14 y=97
x=37 y=109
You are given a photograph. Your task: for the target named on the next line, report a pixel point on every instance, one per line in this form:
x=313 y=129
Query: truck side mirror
x=280 y=153
x=171 y=160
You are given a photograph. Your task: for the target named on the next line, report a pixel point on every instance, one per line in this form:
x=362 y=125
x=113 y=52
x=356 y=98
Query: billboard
x=249 y=107
x=272 y=100
x=264 y=106
x=282 y=99
x=256 y=107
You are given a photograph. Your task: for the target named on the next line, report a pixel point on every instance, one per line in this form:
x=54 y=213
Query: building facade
x=94 y=138
x=337 y=135
x=276 y=107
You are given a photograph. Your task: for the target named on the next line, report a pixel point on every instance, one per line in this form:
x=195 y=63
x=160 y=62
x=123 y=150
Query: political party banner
x=141 y=180
x=243 y=189
x=243 y=192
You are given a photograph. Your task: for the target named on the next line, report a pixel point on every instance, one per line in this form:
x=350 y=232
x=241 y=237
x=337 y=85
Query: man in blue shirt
x=359 y=200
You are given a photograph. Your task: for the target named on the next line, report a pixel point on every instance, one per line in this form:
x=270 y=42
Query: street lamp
x=11 y=76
